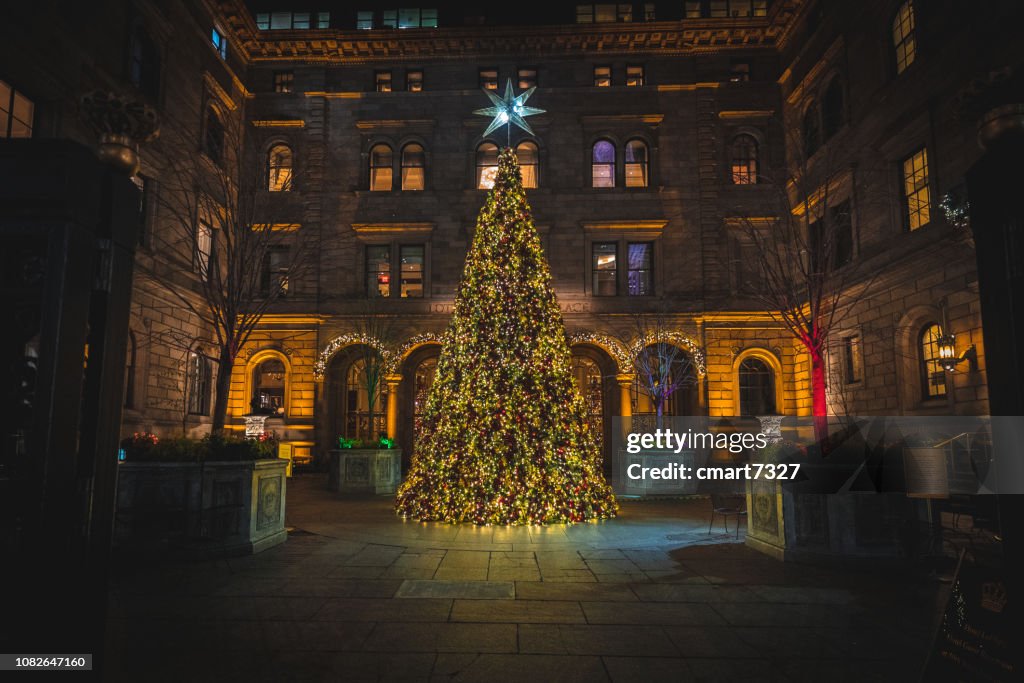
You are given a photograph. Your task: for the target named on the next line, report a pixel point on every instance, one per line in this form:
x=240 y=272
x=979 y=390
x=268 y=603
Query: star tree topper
x=509 y=110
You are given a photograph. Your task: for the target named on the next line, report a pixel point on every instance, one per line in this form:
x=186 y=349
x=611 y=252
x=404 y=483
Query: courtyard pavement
x=357 y=594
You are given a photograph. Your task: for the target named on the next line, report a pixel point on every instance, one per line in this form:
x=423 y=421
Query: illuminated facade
x=661 y=127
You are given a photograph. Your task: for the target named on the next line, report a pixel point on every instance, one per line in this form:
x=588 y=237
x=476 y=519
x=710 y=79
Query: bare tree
x=807 y=277
x=373 y=357
x=229 y=250
x=662 y=359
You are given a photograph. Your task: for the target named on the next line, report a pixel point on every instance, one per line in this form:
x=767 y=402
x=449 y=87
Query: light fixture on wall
x=948 y=357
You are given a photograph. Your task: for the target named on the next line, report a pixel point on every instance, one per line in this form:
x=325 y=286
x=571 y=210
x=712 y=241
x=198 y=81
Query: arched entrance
x=595 y=373
x=664 y=374
x=356 y=395
x=418 y=370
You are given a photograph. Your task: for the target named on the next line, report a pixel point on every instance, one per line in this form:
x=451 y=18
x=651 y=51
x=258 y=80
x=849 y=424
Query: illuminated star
x=509 y=109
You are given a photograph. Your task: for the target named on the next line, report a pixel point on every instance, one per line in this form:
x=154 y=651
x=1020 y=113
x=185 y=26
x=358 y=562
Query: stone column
x=625 y=382
x=393 y=382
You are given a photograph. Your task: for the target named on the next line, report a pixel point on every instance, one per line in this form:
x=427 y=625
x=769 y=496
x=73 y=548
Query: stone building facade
x=662 y=132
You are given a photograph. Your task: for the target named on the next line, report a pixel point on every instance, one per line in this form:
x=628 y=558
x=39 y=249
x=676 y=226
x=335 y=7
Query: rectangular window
x=739 y=72
x=903 y=40
x=284 y=81
x=740 y=8
x=16 y=113
x=624 y=13
x=428 y=18
x=634 y=76
x=263 y=21
x=280 y=21
x=323 y=19
x=203 y=247
x=197 y=379
x=409 y=18
x=602 y=76
x=584 y=14
x=389 y=19
x=604 y=14
x=382 y=81
x=220 y=43
x=640 y=275
x=852 y=369
x=414 y=81
x=915 y=190
x=488 y=79
x=300 y=20
x=378 y=271
x=649 y=11
x=274 y=273
x=411 y=262
x=842 y=225
x=693 y=9
x=364 y=20
x=719 y=9
x=760 y=8
x=605 y=268
x=527 y=78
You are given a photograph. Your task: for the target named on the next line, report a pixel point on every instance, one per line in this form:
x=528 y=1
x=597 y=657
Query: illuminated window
x=380 y=168
x=382 y=81
x=488 y=79
x=602 y=76
x=389 y=19
x=486 y=165
x=832 y=108
x=364 y=418
x=323 y=19
x=198 y=376
x=16 y=113
x=602 y=168
x=636 y=164
x=364 y=20
x=527 y=78
x=649 y=11
x=268 y=384
x=853 y=370
x=411 y=261
x=757 y=387
x=933 y=377
x=213 y=136
x=526 y=152
x=274 y=272
x=903 y=40
x=693 y=9
x=719 y=9
x=284 y=81
x=283 y=21
x=144 y=63
x=279 y=168
x=739 y=72
x=220 y=42
x=811 y=129
x=604 y=13
x=414 y=81
x=640 y=261
x=605 y=268
x=915 y=190
x=744 y=160
x=634 y=76
x=203 y=247
x=378 y=271
x=413 y=164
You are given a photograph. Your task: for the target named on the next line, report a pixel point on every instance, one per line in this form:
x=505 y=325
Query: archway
x=418 y=368
x=349 y=386
x=665 y=374
x=595 y=371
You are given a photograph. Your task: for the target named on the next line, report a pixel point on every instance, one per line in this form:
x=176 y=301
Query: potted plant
x=358 y=466
x=220 y=495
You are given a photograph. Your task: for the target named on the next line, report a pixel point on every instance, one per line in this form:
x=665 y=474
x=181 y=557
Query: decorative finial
x=508 y=110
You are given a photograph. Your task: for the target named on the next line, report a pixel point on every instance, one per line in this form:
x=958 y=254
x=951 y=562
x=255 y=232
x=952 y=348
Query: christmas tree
x=504 y=440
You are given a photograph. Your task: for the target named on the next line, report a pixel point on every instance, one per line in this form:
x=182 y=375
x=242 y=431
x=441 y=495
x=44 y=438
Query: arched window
x=602 y=170
x=129 y=372
x=144 y=63
x=744 y=160
x=380 y=168
x=279 y=168
x=811 y=129
x=757 y=388
x=903 y=42
x=365 y=419
x=268 y=383
x=413 y=165
x=933 y=377
x=486 y=165
x=526 y=152
x=213 y=136
x=636 y=164
x=832 y=109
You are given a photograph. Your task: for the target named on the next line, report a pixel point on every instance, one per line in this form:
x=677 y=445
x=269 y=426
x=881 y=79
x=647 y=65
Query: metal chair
x=726 y=505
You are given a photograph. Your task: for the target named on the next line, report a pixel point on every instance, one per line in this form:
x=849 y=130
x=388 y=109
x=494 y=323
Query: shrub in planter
x=213 y=448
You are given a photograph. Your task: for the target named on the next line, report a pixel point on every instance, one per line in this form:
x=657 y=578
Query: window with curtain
x=413 y=167
x=744 y=160
x=602 y=170
x=640 y=279
x=605 y=268
x=757 y=387
x=526 y=151
x=636 y=164
x=380 y=168
x=486 y=165
x=279 y=168
x=904 y=42
x=933 y=376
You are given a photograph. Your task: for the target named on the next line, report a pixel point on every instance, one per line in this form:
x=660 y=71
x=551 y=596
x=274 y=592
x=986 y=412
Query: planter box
x=624 y=486
x=365 y=470
x=214 y=508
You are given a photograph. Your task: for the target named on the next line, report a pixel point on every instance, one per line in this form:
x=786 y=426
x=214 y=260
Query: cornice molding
x=738 y=115
x=600 y=120
x=390 y=230
x=652 y=226
x=394 y=124
x=279 y=123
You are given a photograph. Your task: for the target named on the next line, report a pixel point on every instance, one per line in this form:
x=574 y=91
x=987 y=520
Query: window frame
x=483 y=81
x=530 y=83
x=219 y=42
x=907 y=35
x=595 y=269
x=642 y=79
x=645 y=164
x=213 y=149
x=402 y=247
x=744 y=170
x=275 y=168
x=410 y=81
x=477 y=166
x=598 y=79
x=9 y=110
x=768 y=391
x=422 y=166
x=924 y=362
x=268 y=272
x=376 y=272
x=649 y=270
x=535 y=164
x=284 y=81
x=198 y=378
x=613 y=164
x=383 y=81
x=389 y=167
x=906 y=194
x=853 y=359
x=394 y=249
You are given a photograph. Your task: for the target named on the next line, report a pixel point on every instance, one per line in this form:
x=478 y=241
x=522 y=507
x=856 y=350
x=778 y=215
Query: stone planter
x=208 y=509
x=624 y=486
x=365 y=470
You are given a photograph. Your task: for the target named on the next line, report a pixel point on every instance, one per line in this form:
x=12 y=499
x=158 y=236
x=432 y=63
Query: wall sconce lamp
x=948 y=357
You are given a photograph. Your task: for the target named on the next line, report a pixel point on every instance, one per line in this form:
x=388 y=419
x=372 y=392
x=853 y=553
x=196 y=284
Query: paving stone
x=371 y=609
x=533 y=590
x=567 y=575
x=466 y=558
x=518 y=611
x=500 y=638
x=416 y=588
x=674 y=592
x=518 y=668
x=646 y=669
x=635 y=641
x=461 y=573
x=650 y=613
